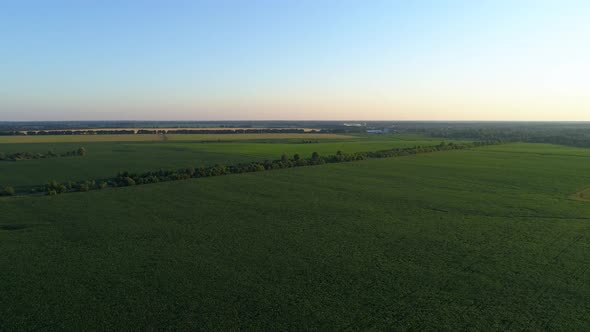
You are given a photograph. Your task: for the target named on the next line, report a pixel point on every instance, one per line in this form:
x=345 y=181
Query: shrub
x=7 y=191
x=56 y=186
x=127 y=181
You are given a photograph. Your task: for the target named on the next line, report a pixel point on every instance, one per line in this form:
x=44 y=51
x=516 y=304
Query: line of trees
x=157 y=131
x=569 y=134
x=125 y=179
x=49 y=154
x=238 y=131
x=11 y=133
x=81 y=132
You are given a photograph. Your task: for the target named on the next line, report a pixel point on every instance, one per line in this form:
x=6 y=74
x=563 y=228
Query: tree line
x=155 y=131
x=67 y=132
x=125 y=179
x=570 y=134
x=15 y=156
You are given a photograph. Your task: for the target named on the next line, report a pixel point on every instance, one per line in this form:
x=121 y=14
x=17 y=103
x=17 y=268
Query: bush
x=57 y=187
x=127 y=181
x=7 y=191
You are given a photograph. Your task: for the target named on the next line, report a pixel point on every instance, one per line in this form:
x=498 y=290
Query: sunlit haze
x=294 y=60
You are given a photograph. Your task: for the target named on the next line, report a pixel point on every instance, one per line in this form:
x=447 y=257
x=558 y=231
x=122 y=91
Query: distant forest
x=563 y=133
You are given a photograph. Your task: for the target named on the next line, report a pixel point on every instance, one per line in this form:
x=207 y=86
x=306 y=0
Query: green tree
x=81 y=151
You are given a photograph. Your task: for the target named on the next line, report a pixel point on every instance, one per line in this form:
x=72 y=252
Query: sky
x=294 y=60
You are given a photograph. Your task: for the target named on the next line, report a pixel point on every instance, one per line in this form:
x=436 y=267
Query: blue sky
x=221 y=60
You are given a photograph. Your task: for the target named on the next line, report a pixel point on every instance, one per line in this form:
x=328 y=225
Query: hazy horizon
x=295 y=60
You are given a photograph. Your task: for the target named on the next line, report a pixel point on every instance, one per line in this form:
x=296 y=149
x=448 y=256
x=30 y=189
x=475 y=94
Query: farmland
x=484 y=238
x=107 y=158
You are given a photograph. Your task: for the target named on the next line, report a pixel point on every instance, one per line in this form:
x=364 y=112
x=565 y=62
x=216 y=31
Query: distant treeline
x=576 y=138
x=581 y=141
x=125 y=179
x=156 y=131
x=15 y=156
x=77 y=125
x=570 y=134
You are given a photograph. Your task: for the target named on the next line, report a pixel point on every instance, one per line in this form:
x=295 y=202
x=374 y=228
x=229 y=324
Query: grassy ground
x=106 y=159
x=476 y=239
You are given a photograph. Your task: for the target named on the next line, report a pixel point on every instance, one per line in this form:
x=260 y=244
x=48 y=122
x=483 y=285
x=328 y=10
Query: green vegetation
x=151 y=131
x=15 y=156
x=7 y=191
x=159 y=137
x=125 y=179
x=563 y=133
x=484 y=238
x=106 y=159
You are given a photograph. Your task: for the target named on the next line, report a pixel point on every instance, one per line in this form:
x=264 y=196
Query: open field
x=158 y=137
x=485 y=238
x=105 y=159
